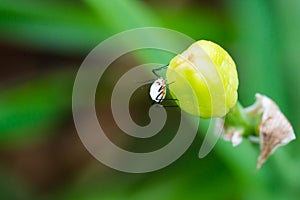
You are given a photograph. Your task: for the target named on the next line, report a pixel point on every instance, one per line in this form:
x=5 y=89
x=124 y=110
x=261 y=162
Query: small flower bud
x=212 y=75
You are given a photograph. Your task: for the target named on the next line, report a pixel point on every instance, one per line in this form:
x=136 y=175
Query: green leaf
x=44 y=25
x=121 y=15
x=257 y=56
x=29 y=109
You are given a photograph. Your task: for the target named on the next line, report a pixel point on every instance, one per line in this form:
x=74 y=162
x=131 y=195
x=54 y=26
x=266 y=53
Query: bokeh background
x=42 y=45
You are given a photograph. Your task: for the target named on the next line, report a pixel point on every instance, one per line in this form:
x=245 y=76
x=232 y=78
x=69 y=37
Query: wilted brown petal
x=274 y=129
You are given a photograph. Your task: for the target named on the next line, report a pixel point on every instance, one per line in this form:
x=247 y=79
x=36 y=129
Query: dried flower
x=274 y=129
x=262 y=123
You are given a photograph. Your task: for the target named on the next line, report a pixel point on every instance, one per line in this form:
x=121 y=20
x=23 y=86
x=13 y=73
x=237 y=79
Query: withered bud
x=274 y=130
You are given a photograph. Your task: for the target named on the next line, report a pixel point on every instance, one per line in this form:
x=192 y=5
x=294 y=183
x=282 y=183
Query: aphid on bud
x=158 y=90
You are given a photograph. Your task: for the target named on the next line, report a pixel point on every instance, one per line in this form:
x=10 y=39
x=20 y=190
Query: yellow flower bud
x=211 y=73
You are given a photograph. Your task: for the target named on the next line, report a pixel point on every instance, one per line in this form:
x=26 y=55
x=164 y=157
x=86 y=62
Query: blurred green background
x=42 y=45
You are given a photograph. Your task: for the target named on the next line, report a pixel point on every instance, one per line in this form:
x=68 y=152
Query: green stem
x=237 y=117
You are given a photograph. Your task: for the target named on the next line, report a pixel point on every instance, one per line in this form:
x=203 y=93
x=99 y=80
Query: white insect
x=158 y=90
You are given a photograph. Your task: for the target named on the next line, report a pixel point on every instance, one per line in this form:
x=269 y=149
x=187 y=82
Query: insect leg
x=154 y=71
x=171 y=99
x=159 y=95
